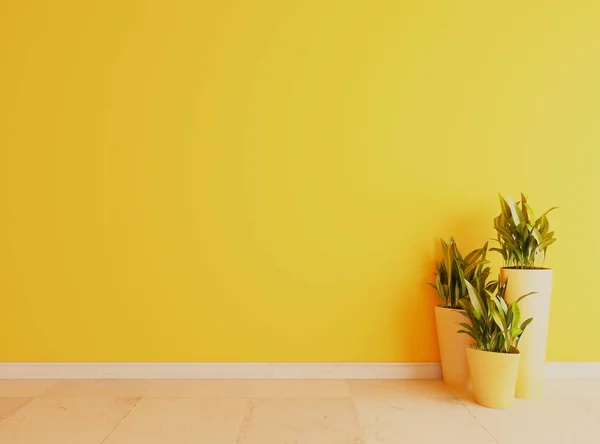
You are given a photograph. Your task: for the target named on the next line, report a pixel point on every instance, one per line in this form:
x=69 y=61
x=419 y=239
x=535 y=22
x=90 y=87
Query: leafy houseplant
x=524 y=240
x=493 y=359
x=453 y=270
x=494 y=323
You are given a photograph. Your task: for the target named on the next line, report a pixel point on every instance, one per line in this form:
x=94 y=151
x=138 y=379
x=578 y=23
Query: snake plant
x=523 y=239
x=494 y=324
x=454 y=270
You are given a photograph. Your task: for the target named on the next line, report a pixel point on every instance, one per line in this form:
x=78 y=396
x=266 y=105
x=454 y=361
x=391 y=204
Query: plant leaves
x=523 y=242
x=498 y=319
x=526 y=323
x=476 y=264
x=516 y=314
x=476 y=301
x=515 y=212
x=525 y=295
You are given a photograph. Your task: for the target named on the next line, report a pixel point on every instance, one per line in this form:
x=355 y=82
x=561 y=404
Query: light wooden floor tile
x=24 y=388
x=592 y=406
x=395 y=421
x=65 y=421
x=286 y=411
x=250 y=389
x=301 y=421
x=90 y=388
x=181 y=421
x=408 y=391
x=582 y=388
x=8 y=406
x=547 y=421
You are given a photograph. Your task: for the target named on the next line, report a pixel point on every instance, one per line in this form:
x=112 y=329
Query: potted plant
x=523 y=240
x=494 y=357
x=452 y=272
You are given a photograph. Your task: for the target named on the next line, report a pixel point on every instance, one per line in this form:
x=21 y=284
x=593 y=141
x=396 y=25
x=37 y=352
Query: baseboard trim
x=247 y=370
x=165 y=370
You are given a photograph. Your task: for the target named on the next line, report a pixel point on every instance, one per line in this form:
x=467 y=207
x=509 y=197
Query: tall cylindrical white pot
x=453 y=345
x=533 y=342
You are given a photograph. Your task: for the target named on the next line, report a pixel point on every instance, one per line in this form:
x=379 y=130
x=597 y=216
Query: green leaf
x=526 y=323
x=505 y=208
x=501 y=251
x=491 y=286
x=476 y=264
x=503 y=304
x=468 y=333
x=539 y=219
x=546 y=243
x=465 y=325
x=497 y=302
x=498 y=319
x=494 y=341
x=515 y=333
x=448 y=265
x=475 y=299
x=536 y=235
x=472 y=255
x=516 y=314
x=457 y=295
x=528 y=213
x=515 y=212
x=525 y=295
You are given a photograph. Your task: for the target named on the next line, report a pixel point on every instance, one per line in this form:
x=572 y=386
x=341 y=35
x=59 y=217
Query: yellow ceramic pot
x=533 y=343
x=452 y=346
x=494 y=377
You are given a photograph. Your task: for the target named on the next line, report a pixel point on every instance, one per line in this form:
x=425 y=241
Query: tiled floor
x=287 y=412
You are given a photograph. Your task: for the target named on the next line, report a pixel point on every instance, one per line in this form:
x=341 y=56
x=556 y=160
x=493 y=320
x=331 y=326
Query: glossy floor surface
x=287 y=412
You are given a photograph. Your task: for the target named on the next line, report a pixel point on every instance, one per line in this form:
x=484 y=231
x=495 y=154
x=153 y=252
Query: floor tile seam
x=246 y=420
x=478 y=421
x=360 y=426
x=19 y=409
x=120 y=421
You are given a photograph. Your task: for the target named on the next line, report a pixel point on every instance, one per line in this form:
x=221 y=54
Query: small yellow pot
x=494 y=377
x=452 y=346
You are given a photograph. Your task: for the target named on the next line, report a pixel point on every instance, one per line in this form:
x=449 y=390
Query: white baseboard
x=166 y=370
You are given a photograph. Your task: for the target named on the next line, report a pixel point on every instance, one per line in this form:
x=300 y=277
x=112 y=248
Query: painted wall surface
x=266 y=180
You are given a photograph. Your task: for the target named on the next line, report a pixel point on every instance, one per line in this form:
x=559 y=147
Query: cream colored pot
x=533 y=343
x=494 y=377
x=452 y=346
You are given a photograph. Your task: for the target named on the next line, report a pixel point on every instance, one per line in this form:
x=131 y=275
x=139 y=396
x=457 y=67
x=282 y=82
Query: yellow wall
x=266 y=180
